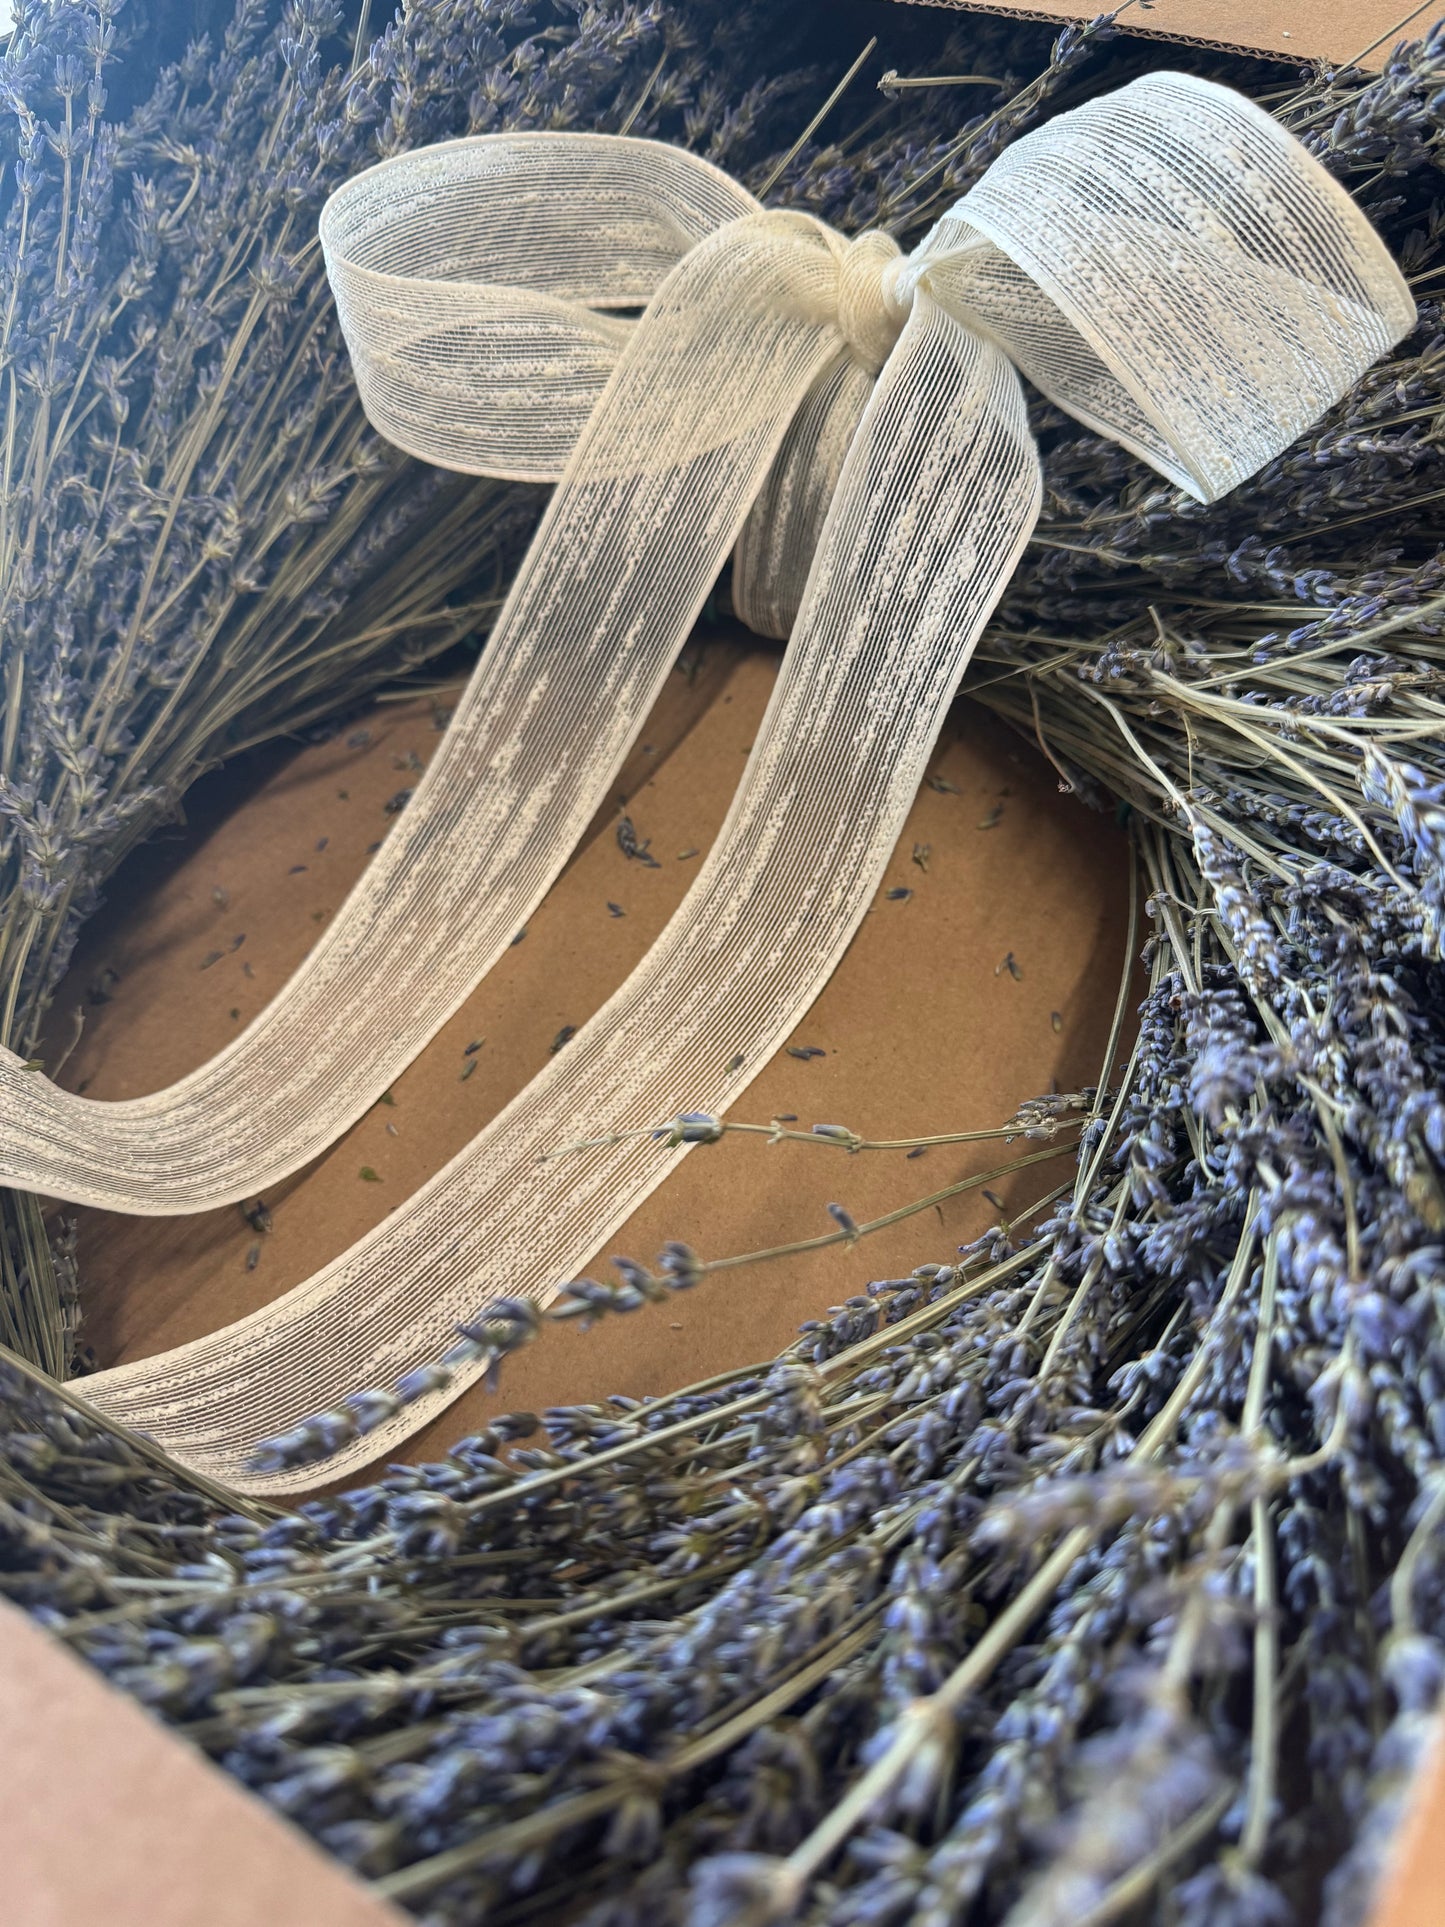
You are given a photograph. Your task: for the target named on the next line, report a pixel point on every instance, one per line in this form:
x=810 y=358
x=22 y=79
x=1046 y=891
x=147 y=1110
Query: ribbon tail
x=938 y=496
x=678 y=447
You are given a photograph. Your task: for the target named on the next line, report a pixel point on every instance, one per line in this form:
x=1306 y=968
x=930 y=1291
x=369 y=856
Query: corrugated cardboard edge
x=1325 y=30
x=1078 y=15
x=107 y=1818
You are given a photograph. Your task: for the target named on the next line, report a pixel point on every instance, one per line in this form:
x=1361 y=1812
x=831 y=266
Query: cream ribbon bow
x=1166 y=263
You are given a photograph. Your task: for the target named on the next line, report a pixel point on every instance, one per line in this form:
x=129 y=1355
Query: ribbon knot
x=1166 y=264
x=871 y=307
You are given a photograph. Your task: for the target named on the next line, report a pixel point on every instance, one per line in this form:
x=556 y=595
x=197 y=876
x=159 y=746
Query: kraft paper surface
x=1361 y=33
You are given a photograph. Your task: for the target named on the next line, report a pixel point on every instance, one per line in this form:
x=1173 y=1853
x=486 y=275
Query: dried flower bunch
x=1094 y=1574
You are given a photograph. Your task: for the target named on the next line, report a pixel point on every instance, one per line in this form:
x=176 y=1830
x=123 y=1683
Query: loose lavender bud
x=844 y=1222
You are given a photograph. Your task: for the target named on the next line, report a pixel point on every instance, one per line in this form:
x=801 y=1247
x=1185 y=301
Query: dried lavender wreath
x=1093 y=1575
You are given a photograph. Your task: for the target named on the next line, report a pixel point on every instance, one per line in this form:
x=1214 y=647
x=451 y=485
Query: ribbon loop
x=1174 y=269
x=473 y=281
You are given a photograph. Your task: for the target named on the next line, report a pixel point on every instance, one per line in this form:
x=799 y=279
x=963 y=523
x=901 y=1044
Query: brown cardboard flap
x=107 y=1819
x=1413 y=1891
x=1357 y=32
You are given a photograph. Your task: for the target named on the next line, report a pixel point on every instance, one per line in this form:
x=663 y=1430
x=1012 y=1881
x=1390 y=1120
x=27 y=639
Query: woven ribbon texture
x=1165 y=263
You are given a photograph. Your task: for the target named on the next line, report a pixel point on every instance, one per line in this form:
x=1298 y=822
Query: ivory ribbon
x=1165 y=263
